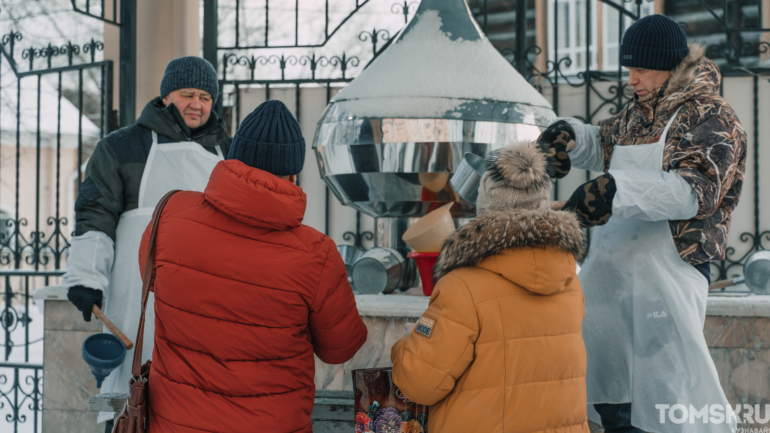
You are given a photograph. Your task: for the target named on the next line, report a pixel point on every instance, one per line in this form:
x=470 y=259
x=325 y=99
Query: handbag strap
x=149 y=264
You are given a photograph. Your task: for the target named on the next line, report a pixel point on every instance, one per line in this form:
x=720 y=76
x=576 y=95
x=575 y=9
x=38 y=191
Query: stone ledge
x=394 y=306
x=337 y=406
x=747 y=306
x=405 y=306
x=107 y=402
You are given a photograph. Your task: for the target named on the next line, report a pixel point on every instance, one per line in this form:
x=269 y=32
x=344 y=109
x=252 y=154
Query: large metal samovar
x=388 y=143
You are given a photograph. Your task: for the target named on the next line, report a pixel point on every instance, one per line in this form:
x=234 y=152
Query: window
x=612 y=32
x=567 y=28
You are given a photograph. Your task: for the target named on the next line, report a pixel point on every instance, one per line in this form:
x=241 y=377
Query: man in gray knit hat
x=175 y=144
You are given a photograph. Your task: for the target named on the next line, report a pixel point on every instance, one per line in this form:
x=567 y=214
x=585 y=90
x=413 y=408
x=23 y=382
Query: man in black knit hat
x=674 y=161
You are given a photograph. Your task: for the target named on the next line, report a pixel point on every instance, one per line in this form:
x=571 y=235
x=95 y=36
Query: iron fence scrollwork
x=404 y=8
x=102 y=15
x=23 y=399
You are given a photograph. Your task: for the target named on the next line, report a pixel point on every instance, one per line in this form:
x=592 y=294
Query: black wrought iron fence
x=60 y=103
x=21 y=396
x=36 y=235
x=21 y=373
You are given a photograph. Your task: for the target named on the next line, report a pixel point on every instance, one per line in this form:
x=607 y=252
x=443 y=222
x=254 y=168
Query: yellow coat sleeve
x=425 y=369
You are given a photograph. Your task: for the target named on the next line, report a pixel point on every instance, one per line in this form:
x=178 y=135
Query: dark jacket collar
x=696 y=75
x=161 y=119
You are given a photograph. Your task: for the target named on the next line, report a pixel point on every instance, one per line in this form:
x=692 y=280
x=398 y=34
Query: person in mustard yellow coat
x=500 y=348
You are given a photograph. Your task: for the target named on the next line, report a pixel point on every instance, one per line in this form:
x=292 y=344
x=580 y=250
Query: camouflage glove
x=592 y=201
x=553 y=141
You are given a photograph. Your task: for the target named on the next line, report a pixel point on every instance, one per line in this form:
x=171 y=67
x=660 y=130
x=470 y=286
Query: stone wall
x=740 y=347
x=67 y=381
x=737 y=332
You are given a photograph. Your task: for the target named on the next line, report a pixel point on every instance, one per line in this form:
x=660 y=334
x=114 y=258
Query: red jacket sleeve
x=335 y=326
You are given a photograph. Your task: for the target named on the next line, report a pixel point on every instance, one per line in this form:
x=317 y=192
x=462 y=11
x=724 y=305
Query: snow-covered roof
x=442 y=66
x=49 y=110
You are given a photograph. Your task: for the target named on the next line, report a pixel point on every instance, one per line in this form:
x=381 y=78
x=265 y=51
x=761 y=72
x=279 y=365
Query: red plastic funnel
x=425 y=263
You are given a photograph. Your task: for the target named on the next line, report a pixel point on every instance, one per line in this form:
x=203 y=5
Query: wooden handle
x=111 y=326
x=722 y=284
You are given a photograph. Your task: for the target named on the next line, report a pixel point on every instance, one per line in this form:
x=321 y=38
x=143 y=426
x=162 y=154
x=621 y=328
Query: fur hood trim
x=492 y=233
x=687 y=71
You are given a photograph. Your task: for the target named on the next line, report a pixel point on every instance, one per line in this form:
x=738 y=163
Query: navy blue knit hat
x=654 y=42
x=190 y=73
x=270 y=139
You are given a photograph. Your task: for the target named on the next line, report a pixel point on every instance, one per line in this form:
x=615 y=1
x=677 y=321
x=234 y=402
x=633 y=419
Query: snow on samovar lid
x=442 y=66
x=388 y=143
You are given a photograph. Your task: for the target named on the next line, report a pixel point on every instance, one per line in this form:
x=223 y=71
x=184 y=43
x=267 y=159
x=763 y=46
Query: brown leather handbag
x=134 y=416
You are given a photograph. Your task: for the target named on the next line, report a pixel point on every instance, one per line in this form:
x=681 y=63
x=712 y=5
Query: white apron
x=645 y=311
x=170 y=166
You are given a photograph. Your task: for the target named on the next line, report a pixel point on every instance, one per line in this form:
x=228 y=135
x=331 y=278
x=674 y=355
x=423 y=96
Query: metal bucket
x=757 y=272
x=467 y=177
x=379 y=270
x=350 y=255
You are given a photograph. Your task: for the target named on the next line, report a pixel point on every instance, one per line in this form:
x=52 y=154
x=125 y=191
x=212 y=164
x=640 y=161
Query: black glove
x=592 y=201
x=84 y=299
x=553 y=141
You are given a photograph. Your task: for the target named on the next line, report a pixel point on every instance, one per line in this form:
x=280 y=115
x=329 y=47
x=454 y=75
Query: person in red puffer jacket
x=245 y=293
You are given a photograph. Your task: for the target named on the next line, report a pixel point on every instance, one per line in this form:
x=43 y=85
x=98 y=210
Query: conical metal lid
x=442 y=66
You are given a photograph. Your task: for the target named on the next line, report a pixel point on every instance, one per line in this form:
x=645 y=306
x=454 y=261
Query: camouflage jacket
x=706 y=145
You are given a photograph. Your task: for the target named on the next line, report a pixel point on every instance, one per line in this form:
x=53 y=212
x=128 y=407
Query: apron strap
x=154 y=137
x=149 y=264
x=668 y=125
x=219 y=151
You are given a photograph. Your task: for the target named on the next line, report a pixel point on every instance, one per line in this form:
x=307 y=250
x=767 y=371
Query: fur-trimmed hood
x=491 y=234
x=696 y=73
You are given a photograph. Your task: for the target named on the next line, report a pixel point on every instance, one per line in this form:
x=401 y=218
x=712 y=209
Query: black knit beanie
x=654 y=42
x=190 y=73
x=270 y=139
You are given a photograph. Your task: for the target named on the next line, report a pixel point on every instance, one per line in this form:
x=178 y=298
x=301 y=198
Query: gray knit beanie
x=190 y=73
x=516 y=178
